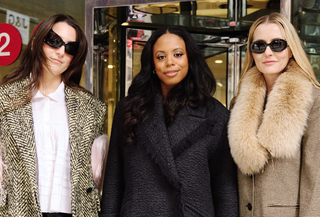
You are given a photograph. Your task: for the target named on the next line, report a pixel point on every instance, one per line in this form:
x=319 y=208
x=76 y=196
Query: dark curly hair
x=198 y=85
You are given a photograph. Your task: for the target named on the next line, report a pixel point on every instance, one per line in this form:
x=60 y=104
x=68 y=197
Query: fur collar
x=255 y=134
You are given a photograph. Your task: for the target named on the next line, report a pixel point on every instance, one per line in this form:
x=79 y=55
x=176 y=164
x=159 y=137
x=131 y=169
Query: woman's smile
x=171 y=73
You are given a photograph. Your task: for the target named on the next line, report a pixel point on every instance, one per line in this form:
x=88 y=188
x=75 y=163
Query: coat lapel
x=189 y=126
x=21 y=124
x=161 y=143
x=73 y=107
x=154 y=138
x=81 y=120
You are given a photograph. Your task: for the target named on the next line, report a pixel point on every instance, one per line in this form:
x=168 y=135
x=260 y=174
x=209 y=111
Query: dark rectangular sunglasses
x=276 y=45
x=55 y=41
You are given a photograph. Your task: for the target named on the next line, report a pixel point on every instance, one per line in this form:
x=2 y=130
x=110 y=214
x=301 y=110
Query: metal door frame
x=234 y=64
x=89 y=20
x=285 y=9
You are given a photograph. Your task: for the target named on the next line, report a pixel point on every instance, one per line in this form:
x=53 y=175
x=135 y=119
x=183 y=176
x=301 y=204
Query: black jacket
x=183 y=170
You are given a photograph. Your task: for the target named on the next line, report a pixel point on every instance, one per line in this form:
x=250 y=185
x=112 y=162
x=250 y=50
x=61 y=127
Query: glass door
x=225 y=60
x=224 y=56
x=117 y=31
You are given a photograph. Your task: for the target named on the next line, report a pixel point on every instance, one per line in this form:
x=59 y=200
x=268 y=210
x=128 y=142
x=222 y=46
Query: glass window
x=306 y=19
x=120 y=34
x=217 y=60
x=106 y=60
x=212 y=14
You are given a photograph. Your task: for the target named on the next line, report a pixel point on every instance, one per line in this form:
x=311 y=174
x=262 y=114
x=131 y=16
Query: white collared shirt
x=50 y=118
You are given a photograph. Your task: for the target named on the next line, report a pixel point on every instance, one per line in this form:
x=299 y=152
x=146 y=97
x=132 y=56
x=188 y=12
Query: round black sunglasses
x=55 y=41
x=277 y=45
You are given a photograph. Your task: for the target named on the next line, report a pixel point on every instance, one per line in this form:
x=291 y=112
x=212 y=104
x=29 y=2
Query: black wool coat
x=183 y=170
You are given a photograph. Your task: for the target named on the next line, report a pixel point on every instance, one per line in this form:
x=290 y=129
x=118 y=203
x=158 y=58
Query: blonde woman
x=274 y=127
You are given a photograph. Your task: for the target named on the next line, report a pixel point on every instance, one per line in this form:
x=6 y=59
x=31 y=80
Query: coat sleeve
x=113 y=186
x=100 y=145
x=224 y=180
x=310 y=162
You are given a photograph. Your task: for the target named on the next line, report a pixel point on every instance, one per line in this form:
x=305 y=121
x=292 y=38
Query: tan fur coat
x=275 y=142
x=255 y=134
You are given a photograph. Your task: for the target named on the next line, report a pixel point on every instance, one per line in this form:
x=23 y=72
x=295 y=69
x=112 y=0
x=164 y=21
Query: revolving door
x=119 y=34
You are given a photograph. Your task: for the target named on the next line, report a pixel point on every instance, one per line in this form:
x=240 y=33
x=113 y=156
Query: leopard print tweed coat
x=19 y=196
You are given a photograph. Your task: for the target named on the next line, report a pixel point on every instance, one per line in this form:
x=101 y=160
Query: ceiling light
x=219 y=84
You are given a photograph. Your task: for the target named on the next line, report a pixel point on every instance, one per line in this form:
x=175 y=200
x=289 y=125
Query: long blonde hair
x=291 y=36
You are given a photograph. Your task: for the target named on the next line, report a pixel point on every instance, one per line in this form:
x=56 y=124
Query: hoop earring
x=154 y=72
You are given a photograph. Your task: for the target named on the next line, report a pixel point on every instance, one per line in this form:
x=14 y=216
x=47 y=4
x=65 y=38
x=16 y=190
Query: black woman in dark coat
x=169 y=154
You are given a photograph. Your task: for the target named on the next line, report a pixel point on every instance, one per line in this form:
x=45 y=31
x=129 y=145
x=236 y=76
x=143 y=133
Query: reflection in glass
x=306 y=19
x=215 y=14
x=217 y=61
x=105 y=58
x=120 y=34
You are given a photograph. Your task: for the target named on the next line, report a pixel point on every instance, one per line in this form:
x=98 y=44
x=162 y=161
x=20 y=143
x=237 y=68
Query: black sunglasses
x=55 y=41
x=276 y=45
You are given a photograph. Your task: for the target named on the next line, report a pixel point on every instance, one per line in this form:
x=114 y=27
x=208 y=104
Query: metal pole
x=285 y=8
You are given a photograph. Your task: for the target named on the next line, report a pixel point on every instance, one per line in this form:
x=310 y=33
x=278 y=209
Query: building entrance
x=119 y=34
x=224 y=56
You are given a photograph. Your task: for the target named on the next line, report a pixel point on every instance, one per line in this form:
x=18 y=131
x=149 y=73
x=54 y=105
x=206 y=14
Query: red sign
x=10 y=44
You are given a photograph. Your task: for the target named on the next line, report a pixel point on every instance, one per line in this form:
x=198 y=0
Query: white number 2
x=6 y=35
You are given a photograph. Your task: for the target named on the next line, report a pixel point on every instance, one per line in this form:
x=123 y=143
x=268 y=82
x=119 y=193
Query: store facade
x=27 y=14
x=117 y=31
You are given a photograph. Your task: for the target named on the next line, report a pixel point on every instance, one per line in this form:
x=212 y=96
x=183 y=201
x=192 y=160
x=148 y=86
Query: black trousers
x=45 y=214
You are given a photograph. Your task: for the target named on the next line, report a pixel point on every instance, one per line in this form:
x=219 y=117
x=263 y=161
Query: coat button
x=249 y=206
x=89 y=190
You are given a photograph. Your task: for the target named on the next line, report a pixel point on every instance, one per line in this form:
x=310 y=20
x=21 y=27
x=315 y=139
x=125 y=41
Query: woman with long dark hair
x=48 y=124
x=169 y=153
